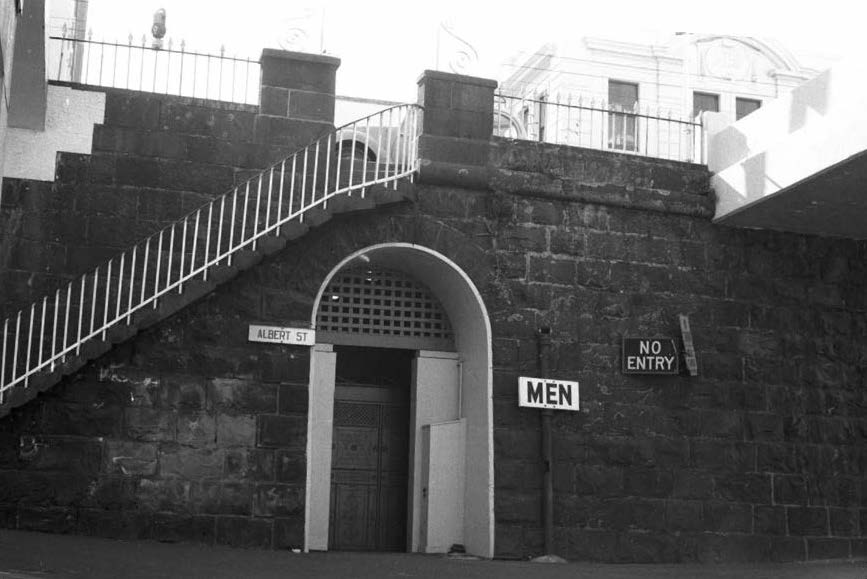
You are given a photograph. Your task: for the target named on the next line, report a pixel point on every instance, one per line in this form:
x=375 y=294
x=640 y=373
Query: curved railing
x=377 y=150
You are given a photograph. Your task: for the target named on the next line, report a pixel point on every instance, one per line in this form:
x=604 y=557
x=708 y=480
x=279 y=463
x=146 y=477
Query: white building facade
x=642 y=98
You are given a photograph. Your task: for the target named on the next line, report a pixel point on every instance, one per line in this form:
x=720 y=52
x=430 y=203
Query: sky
x=385 y=45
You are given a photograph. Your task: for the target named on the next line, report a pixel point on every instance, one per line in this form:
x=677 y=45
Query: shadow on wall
x=810 y=95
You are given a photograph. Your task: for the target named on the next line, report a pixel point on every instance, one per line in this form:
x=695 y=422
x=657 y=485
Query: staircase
x=167 y=271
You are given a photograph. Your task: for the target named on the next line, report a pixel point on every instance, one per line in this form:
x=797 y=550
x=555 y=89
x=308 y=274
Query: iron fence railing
x=597 y=125
x=42 y=336
x=155 y=69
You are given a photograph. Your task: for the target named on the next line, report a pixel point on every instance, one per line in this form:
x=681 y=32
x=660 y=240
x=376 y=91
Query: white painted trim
x=486 y=549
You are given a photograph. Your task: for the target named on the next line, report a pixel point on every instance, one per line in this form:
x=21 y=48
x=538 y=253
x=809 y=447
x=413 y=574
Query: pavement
x=27 y=555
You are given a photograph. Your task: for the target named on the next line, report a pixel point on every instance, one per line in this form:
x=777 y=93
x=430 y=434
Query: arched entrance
x=443 y=326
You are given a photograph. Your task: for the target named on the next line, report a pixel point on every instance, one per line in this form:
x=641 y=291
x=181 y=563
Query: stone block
x=297 y=70
x=273 y=100
x=116 y=493
x=172 y=495
x=790 y=490
x=129 y=458
x=196 y=429
x=244 y=532
x=770 y=520
x=728 y=517
x=60 y=520
x=826 y=548
x=236 y=396
x=285 y=365
x=234 y=430
x=222 y=498
x=691 y=484
x=684 y=516
x=311 y=106
x=720 y=457
x=787 y=549
x=253 y=464
x=128 y=525
x=150 y=425
x=191 y=463
x=289 y=533
x=57 y=453
x=844 y=522
x=139 y=111
x=186 y=392
x=807 y=521
x=713 y=548
x=86 y=420
x=633 y=513
x=171 y=528
x=647 y=482
x=293 y=399
x=746 y=488
x=450 y=149
x=290 y=466
x=278 y=500
x=518 y=507
x=282 y=431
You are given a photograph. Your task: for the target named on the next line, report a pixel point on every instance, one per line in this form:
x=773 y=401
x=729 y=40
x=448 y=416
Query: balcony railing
x=597 y=125
x=158 y=69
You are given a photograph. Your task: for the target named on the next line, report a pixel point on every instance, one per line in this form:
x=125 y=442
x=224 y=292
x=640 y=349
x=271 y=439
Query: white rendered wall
x=817 y=126
x=69 y=121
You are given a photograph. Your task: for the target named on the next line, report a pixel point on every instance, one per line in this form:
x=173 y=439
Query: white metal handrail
x=337 y=164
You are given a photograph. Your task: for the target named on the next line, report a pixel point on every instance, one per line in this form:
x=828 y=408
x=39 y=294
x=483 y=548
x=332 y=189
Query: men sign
x=547 y=393
x=650 y=356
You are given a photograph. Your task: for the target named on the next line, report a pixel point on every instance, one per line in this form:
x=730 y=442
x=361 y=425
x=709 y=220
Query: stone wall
x=188 y=432
x=155 y=159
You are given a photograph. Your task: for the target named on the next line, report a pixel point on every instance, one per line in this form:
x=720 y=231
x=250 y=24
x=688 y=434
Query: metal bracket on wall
x=688 y=348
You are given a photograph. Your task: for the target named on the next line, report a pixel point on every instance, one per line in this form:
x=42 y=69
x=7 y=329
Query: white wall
x=69 y=121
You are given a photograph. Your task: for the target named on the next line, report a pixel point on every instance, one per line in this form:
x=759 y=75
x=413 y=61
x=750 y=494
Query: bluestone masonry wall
x=189 y=432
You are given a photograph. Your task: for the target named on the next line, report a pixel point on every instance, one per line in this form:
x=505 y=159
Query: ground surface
x=36 y=555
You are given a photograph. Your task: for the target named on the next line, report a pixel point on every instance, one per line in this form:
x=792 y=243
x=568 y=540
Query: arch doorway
x=400 y=445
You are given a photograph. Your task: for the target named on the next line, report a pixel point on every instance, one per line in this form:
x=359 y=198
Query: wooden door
x=369 y=465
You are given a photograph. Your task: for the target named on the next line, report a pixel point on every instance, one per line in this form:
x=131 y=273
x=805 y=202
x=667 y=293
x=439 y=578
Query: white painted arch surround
x=472 y=329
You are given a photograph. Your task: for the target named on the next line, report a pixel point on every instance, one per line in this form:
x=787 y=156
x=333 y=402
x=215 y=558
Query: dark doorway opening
x=370 y=449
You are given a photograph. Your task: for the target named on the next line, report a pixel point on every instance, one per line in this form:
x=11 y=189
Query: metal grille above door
x=372 y=306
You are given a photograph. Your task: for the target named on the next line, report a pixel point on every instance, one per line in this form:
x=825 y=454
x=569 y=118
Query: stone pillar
x=296 y=97
x=456 y=127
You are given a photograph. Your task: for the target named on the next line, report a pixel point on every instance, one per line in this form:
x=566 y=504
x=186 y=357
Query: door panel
x=369 y=472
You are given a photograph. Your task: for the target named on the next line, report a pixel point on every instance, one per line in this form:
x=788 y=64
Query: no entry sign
x=650 y=356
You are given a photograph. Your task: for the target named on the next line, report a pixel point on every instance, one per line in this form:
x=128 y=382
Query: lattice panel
x=381 y=302
x=354 y=414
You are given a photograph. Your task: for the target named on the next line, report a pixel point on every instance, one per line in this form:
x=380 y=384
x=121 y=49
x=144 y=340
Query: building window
x=704 y=101
x=743 y=107
x=622 y=128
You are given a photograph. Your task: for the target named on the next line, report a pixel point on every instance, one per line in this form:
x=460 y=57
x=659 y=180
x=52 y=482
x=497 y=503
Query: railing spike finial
x=63 y=31
x=222 y=50
x=90 y=34
x=144 y=40
x=129 y=39
x=170 y=42
x=183 y=44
